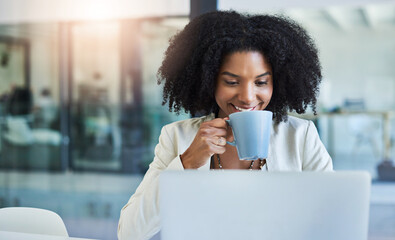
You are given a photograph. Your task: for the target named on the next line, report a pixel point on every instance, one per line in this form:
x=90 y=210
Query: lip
x=243 y=109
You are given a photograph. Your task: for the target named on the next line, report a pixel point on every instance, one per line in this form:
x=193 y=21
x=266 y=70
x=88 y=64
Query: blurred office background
x=80 y=108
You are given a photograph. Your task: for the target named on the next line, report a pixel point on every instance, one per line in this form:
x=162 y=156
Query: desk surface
x=31 y=236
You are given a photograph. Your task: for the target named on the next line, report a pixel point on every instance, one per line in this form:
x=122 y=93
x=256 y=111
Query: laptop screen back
x=239 y=204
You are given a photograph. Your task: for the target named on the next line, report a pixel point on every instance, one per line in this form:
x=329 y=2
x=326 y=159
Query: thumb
x=226 y=119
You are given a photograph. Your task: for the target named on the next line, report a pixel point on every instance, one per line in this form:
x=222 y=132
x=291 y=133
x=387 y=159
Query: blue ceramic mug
x=251 y=132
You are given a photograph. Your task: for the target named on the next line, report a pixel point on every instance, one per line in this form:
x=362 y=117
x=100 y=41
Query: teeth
x=243 y=109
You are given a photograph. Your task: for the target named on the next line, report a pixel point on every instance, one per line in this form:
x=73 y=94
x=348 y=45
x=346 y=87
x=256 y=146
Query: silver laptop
x=232 y=204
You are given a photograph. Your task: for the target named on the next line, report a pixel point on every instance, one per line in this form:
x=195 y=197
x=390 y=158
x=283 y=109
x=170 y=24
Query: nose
x=247 y=94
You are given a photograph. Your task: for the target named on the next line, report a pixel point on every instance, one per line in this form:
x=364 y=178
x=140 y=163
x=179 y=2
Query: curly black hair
x=193 y=59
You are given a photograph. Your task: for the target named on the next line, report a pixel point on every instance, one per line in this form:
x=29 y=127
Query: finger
x=219 y=141
x=216 y=149
x=213 y=131
x=218 y=123
x=220 y=133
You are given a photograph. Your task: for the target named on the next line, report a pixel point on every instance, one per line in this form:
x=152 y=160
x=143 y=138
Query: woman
x=225 y=62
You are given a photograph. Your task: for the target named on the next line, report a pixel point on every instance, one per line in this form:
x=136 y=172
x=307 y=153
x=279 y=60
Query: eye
x=261 y=83
x=231 y=83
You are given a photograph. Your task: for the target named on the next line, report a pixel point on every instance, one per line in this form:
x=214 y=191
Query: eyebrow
x=237 y=76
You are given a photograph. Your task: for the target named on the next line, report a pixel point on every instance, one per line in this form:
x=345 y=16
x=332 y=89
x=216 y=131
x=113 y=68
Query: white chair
x=31 y=220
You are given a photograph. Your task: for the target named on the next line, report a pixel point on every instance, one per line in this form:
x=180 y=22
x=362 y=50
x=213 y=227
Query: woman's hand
x=209 y=140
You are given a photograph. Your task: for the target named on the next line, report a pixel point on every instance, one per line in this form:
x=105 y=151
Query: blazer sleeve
x=315 y=156
x=139 y=218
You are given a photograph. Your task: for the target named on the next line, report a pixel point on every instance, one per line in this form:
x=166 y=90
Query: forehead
x=245 y=61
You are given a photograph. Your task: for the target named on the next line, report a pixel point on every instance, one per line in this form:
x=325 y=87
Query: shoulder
x=294 y=127
x=294 y=123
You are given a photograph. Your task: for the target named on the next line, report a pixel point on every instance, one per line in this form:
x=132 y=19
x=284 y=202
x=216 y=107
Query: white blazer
x=294 y=146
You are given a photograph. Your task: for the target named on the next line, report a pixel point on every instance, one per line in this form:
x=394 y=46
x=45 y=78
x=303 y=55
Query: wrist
x=185 y=160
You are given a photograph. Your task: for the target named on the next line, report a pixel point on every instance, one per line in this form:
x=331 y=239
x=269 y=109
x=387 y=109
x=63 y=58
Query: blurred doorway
x=95 y=99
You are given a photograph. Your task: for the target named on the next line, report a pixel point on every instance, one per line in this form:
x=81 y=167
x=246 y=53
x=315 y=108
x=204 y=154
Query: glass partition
x=102 y=76
x=29 y=91
x=114 y=111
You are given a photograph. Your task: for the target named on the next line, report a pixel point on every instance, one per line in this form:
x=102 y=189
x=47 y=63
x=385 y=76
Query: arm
x=140 y=216
x=315 y=156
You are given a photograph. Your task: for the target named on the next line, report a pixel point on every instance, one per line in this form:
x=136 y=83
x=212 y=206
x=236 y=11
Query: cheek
x=270 y=93
x=266 y=94
x=221 y=94
x=218 y=97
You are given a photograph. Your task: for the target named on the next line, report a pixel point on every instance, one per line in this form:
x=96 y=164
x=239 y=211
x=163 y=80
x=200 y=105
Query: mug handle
x=234 y=141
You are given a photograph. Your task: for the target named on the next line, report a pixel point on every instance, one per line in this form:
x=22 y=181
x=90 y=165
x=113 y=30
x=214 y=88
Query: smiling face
x=244 y=83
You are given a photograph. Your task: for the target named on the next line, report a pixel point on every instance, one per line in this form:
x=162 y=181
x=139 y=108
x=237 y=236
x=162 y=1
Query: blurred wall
x=65 y=10
x=258 y=5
